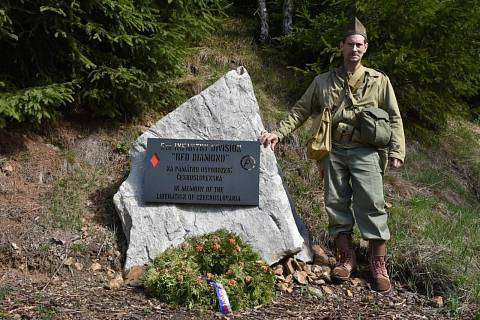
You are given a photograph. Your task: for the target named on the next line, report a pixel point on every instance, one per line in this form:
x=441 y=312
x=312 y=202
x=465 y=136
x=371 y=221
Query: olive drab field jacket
x=368 y=87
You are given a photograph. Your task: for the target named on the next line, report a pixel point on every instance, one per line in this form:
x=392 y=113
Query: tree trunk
x=287 y=25
x=263 y=13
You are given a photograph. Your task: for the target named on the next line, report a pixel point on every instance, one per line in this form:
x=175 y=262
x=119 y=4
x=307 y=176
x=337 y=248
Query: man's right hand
x=267 y=138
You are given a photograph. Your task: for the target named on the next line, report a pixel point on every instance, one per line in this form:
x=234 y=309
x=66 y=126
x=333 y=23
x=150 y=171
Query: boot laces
x=379 y=266
x=346 y=258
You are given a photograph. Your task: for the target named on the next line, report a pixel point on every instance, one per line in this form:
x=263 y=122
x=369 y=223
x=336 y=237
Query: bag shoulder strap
x=341 y=106
x=337 y=112
x=356 y=81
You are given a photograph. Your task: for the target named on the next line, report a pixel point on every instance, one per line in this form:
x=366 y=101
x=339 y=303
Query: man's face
x=353 y=48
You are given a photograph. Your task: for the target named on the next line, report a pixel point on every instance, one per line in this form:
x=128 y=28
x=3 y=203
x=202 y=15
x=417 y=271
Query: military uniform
x=352 y=170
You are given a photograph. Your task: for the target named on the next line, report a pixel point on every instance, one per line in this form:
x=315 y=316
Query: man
x=353 y=171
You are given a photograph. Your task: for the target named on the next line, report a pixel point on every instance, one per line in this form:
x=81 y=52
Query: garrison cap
x=355 y=27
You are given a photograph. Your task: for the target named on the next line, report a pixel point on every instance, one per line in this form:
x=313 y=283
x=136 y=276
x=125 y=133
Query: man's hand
x=267 y=138
x=394 y=163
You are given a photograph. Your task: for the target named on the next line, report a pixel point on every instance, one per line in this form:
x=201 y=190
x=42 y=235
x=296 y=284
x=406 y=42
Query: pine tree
x=108 y=57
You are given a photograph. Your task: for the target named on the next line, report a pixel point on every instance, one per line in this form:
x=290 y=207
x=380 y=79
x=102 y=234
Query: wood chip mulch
x=84 y=296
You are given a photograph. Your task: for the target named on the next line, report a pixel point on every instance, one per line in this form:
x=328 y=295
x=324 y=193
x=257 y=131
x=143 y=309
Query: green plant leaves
x=123 y=54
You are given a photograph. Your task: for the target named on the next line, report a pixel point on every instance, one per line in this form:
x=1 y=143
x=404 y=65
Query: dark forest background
x=119 y=58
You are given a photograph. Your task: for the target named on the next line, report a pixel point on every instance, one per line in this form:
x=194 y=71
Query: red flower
x=216 y=246
x=199 y=247
x=232 y=282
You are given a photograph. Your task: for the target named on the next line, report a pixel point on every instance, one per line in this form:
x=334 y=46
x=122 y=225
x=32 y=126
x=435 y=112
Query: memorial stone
x=227 y=110
x=202 y=171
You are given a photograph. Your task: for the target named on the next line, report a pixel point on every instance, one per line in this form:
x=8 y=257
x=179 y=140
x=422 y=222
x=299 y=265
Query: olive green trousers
x=354 y=192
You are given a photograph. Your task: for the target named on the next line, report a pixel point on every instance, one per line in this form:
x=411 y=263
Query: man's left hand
x=395 y=163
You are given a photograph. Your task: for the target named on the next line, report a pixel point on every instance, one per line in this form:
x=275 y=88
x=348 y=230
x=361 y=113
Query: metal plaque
x=202 y=171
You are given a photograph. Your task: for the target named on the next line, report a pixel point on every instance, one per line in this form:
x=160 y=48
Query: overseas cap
x=355 y=27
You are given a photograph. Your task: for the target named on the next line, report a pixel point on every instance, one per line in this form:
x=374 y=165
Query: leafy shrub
x=35 y=103
x=181 y=275
x=427 y=48
x=108 y=57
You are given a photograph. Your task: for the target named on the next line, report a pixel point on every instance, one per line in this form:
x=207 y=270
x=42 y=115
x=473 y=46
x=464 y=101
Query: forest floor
x=61 y=261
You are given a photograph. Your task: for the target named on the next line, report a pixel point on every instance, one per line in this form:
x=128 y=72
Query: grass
x=79 y=247
x=68 y=198
x=5 y=289
x=86 y=185
x=434 y=246
x=436 y=228
x=42 y=311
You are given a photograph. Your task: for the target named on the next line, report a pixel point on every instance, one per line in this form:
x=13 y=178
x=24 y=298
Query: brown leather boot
x=346 y=260
x=378 y=251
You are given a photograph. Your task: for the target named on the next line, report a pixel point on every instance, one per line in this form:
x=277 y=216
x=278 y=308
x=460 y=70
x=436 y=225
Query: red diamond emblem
x=154 y=160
